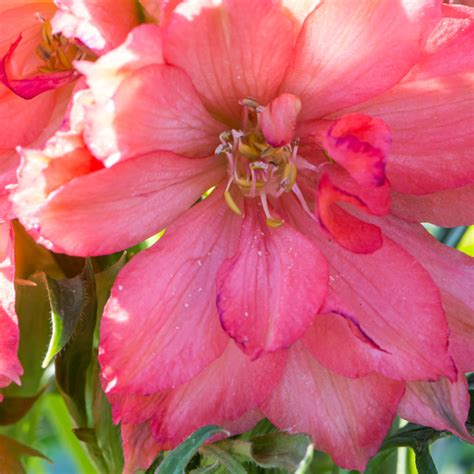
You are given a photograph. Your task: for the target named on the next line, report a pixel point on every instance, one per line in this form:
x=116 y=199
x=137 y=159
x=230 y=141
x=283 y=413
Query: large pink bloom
x=298 y=290
x=10 y=368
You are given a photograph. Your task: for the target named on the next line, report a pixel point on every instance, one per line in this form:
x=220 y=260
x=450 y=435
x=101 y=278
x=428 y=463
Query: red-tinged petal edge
x=31 y=87
x=271 y=290
x=349 y=231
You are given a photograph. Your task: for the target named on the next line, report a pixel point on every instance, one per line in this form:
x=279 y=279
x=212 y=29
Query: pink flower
x=298 y=290
x=10 y=368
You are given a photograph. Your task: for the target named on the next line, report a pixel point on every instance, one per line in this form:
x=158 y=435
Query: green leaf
x=13 y=409
x=224 y=458
x=69 y=298
x=73 y=361
x=284 y=451
x=177 y=460
x=11 y=452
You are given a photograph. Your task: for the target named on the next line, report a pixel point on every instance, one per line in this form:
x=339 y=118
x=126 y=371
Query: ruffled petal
x=443 y=405
x=179 y=332
x=100 y=24
x=270 y=291
x=231 y=49
x=351 y=50
x=74 y=209
x=346 y=418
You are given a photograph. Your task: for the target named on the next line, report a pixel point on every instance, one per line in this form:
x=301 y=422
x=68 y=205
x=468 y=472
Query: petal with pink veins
x=360 y=144
x=447 y=208
x=278 y=119
x=160 y=335
x=442 y=405
x=453 y=272
x=430 y=115
x=10 y=368
x=351 y=50
x=110 y=209
x=351 y=232
x=231 y=49
x=177 y=121
x=346 y=418
x=270 y=291
x=99 y=24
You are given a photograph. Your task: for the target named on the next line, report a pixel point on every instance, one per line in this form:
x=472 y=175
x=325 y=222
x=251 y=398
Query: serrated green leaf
x=424 y=461
x=12 y=409
x=224 y=458
x=177 y=460
x=282 y=450
x=11 y=451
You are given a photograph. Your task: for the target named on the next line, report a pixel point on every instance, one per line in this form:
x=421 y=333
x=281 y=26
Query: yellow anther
x=248 y=151
x=245 y=183
x=249 y=102
x=289 y=175
x=47 y=33
x=64 y=59
x=274 y=222
x=231 y=203
x=43 y=53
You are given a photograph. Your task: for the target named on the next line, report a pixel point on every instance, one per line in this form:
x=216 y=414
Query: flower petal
x=351 y=50
x=278 y=119
x=231 y=49
x=176 y=122
x=109 y=209
x=442 y=405
x=99 y=24
x=346 y=418
x=179 y=332
x=270 y=291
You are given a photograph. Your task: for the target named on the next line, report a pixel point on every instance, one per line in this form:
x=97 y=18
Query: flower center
x=57 y=51
x=256 y=168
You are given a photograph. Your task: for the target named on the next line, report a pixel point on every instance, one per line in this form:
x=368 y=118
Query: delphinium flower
x=289 y=149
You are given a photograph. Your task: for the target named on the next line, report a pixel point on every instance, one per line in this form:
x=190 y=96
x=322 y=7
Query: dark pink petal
x=30 y=87
x=110 y=209
x=447 y=208
x=346 y=418
x=360 y=144
x=99 y=24
x=159 y=335
x=453 y=272
x=278 y=119
x=396 y=304
x=176 y=122
x=10 y=368
x=231 y=50
x=270 y=291
x=351 y=50
x=349 y=231
x=443 y=405
x=430 y=116
x=139 y=447
x=214 y=398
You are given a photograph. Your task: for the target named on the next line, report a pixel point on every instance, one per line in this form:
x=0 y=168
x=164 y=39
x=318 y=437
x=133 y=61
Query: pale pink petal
x=231 y=49
x=430 y=114
x=401 y=315
x=442 y=405
x=10 y=368
x=346 y=418
x=448 y=208
x=160 y=335
x=9 y=162
x=270 y=291
x=360 y=144
x=229 y=388
x=99 y=24
x=176 y=122
x=453 y=272
x=351 y=50
x=349 y=231
x=139 y=447
x=278 y=119
x=109 y=209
